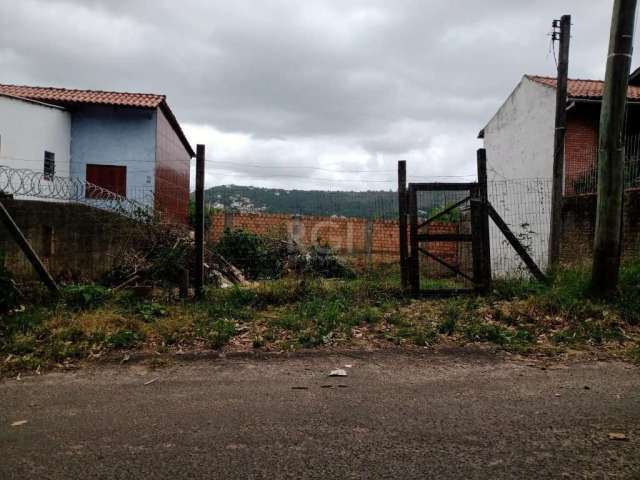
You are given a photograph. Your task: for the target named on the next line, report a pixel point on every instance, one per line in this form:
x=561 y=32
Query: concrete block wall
x=76 y=242
x=579 y=219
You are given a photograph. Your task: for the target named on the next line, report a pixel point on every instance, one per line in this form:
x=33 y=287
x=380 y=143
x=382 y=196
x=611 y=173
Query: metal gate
x=460 y=246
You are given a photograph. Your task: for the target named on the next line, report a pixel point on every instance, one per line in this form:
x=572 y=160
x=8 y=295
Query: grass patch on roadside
x=305 y=312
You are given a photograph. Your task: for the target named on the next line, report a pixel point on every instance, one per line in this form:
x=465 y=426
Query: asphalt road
x=393 y=416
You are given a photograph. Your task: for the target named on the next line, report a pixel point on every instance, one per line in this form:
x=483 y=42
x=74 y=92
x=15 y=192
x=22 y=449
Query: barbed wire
x=23 y=182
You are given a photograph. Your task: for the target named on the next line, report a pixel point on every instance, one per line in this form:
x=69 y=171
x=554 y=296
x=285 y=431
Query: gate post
x=414 y=259
x=402 y=222
x=484 y=219
x=476 y=238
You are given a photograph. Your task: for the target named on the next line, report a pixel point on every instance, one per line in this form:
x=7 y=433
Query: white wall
x=27 y=129
x=519 y=144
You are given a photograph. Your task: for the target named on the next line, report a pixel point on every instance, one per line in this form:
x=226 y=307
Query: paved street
x=393 y=416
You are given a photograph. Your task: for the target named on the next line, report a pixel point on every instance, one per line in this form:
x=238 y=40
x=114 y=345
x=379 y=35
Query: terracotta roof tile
x=578 y=88
x=64 y=95
x=67 y=96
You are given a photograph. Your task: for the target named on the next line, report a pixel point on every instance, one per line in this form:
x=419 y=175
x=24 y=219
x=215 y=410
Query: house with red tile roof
x=519 y=143
x=128 y=143
x=519 y=137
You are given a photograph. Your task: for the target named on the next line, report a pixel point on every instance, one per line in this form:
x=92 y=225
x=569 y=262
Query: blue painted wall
x=107 y=135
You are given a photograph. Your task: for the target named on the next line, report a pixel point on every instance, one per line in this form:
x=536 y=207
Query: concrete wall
x=108 y=135
x=27 y=129
x=519 y=144
x=76 y=242
x=519 y=137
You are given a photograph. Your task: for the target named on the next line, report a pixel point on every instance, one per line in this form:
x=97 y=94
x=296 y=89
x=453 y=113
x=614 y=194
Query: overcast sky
x=307 y=93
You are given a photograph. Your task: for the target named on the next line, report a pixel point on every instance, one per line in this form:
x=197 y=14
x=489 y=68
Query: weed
x=258 y=341
x=8 y=293
x=218 y=333
x=85 y=297
x=21 y=344
x=174 y=328
x=150 y=311
x=124 y=339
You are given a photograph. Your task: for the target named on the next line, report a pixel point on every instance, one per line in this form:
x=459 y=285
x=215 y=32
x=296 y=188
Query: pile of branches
x=162 y=254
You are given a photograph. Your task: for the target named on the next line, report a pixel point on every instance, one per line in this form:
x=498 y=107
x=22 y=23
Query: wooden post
x=28 y=250
x=611 y=152
x=476 y=238
x=515 y=243
x=484 y=218
x=199 y=224
x=414 y=259
x=558 y=141
x=402 y=222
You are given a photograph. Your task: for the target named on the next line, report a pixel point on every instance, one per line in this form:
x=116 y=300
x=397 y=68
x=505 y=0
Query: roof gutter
x=598 y=101
x=164 y=106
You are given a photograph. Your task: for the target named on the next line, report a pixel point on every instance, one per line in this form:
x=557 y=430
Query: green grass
x=290 y=313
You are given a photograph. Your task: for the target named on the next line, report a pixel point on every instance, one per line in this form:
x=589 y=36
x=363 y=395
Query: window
x=49 y=165
x=109 y=177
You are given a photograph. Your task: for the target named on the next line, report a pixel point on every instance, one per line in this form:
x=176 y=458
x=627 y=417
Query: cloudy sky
x=307 y=93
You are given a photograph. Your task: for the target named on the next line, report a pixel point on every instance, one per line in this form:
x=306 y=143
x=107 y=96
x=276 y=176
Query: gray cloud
x=350 y=84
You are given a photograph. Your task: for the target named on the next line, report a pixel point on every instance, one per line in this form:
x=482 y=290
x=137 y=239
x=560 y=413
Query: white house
x=519 y=144
x=35 y=135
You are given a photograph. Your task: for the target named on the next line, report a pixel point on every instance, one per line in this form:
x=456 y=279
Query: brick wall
x=581 y=150
x=579 y=219
x=361 y=239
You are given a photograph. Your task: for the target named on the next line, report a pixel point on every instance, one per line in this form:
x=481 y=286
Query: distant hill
x=371 y=204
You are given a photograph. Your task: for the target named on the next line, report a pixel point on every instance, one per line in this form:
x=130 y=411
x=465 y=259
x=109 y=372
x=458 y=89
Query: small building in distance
x=128 y=143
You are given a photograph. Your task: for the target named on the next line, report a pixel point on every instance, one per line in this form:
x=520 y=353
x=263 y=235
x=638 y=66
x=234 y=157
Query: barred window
x=49 y=165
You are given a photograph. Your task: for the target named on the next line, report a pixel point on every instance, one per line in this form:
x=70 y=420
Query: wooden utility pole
x=564 y=37
x=402 y=221
x=199 y=224
x=611 y=152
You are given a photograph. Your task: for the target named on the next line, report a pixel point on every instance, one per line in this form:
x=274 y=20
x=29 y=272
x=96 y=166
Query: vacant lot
x=369 y=312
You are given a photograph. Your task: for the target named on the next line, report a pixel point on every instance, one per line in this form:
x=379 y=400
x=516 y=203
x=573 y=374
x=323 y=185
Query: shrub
x=258 y=257
x=321 y=261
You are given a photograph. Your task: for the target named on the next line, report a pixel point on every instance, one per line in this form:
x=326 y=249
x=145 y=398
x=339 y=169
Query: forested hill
x=371 y=204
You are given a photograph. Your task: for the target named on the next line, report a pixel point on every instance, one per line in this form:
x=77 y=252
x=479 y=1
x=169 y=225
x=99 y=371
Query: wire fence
x=581 y=167
x=83 y=230
x=525 y=206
